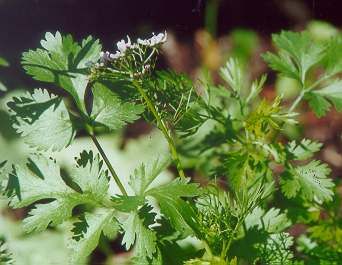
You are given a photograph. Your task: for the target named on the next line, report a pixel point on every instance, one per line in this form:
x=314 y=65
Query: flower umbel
x=131 y=60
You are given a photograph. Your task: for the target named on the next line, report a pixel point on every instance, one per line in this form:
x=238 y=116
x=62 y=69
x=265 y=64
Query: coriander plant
x=257 y=184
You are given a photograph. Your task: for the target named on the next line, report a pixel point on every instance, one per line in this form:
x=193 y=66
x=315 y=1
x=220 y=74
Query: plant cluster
x=226 y=132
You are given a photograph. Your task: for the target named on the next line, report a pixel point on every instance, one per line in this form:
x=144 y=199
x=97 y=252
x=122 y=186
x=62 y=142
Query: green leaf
x=109 y=111
x=40 y=114
x=303 y=150
x=90 y=177
x=5 y=256
x=168 y=195
x=136 y=230
x=64 y=63
x=232 y=73
x=298 y=53
x=318 y=104
x=271 y=221
x=40 y=179
x=87 y=233
x=143 y=176
x=238 y=168
x=3 y=175
x=333 y=58
x=170 y=202
x=128 y=203
x=276 y=250
x=282 y=64
x=333 y=92
x=311 y=180
x=171 y=93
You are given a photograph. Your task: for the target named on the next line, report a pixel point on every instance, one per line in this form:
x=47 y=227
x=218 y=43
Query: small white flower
x=154 y=40
x=123 y=46
x=105 y=57
x=143 y=42
x=115 y=56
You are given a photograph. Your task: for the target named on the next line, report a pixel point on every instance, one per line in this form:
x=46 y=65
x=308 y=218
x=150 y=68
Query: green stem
x=162 y=127
x=230 y=241
x=109 y=165
x=297 y=100
x=207 y=249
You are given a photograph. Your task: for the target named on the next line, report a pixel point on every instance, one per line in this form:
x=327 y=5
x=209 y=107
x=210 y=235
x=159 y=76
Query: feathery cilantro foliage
x=226 y=132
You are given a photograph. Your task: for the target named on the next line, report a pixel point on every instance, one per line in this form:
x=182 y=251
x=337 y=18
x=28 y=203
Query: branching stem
x=162 y=127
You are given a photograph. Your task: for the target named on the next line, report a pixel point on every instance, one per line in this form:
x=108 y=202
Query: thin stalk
x=230 y=241
x=109 y=165
x=292 y=107
x=297 y=100
x=162 y=127
x=207 y=249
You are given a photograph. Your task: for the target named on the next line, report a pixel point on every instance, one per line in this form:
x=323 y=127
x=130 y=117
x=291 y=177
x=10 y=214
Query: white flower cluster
x=154 y=40
x=123 y=46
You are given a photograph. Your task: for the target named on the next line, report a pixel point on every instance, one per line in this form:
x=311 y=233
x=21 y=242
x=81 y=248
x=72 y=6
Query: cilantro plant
x=258 y=184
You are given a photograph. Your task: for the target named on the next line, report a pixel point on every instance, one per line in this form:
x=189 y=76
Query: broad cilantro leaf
x=298 y=53
x=310 y=180
x=232 y=73
x=282 y=64
x=264 y=238
x=137 y=230
x=87 y=233
x=168 y=195
x=41 y=179
x=143 y=176
x=127 y=203
x=333 y=58
x=332 y=92
x=109 y=111
x=40 y=114
x=170 y=202
x=318 y=104
x=90 y=177
x=64 y=63
x=271 y=221
x=303 y=150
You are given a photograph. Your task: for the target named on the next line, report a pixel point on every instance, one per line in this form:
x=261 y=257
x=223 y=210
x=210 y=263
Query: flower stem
x=109 y=165
x=162 y=127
